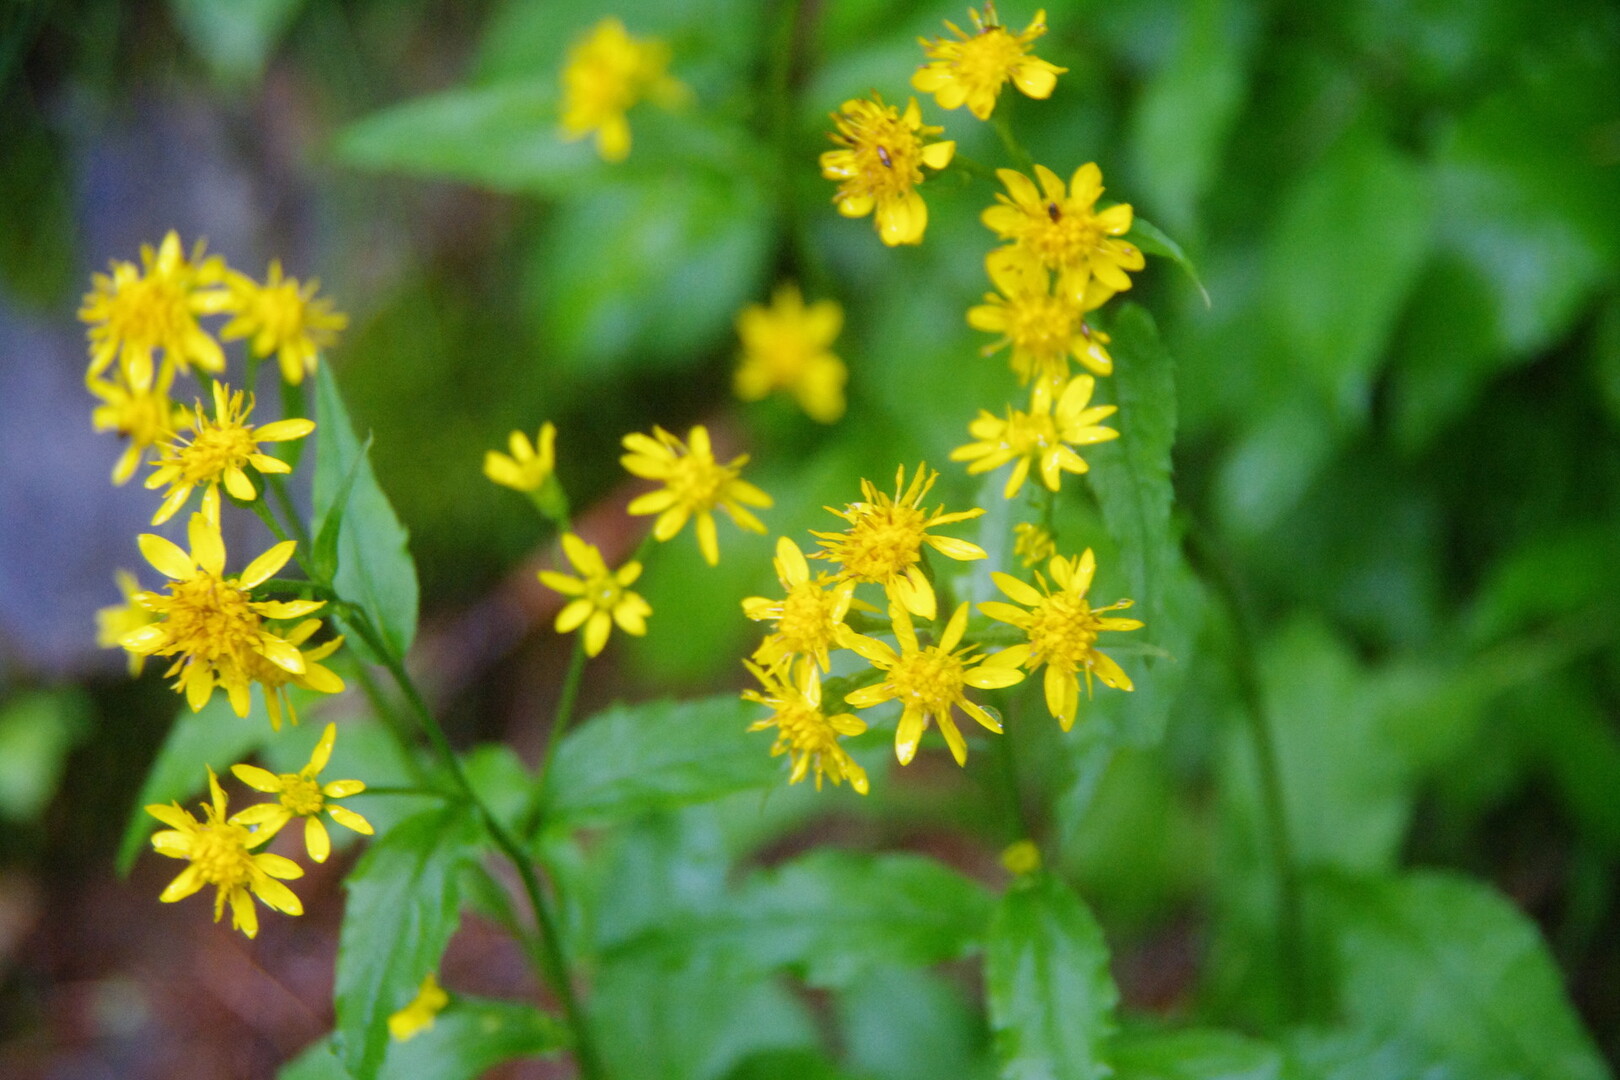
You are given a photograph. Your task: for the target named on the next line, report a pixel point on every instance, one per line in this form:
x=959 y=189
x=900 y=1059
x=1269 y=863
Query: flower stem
x=565 y=707
x=1291 y=946
x=295 y=523
x=1014 y=148
x=550 y=957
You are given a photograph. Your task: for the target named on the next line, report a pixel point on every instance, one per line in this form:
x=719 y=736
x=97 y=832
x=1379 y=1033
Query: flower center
x=1064 y=236
x=214 y=449
x=806 y=622
x=280 y=311
x=986 y=60
x=888 y=155
x=806 y=729
x=301 y=795
x=697 y=483
x=882 y=543
x=1042 y=326
x=1063 y=629
x=220 y=854
x=210 y=619
x=604 y=592
x=930 y=678
x=148 y=311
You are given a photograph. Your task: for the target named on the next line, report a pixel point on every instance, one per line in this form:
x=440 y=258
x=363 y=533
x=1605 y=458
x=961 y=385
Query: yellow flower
x=695 y=485
x=211 y=623
x=1065 y=232
x=301 y=795
x=282 y=317
x=787 y=346
x=112 y=623
x=1062 y=628
x=883 y=543
x=419 y=1015
x=1032 y=544
x=1043 y=328
x=929 y=680
x=1041 y=435
x=138 y=310
x=973 y=69
x=607 y=72
x=529 y=465
x=217 y=453
x=880 y=166
x=1021 y=858
x=602 y=597
x=273 y=679
x=221 y=855
x=807 y=735
x=144 y=417
x=808 y=619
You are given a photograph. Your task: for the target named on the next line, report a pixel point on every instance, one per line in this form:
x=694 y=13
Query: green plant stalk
x=1291 y=952
x=295 y=523
x=550 y=958
x=1015 y=149
x=565 y=707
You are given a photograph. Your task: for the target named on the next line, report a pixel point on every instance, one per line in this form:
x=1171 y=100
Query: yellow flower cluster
x=1062 y=257
x=218 y=849
x=695 y=484
x=217 y=630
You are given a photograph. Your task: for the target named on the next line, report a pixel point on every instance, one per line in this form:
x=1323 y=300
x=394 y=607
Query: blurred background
x=1397 y=462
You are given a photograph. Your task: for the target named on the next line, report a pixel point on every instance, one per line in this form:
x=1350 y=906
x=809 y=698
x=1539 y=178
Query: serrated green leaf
x=471 y=1036
x=1155 y=241
x=662 y=754
x=1050 y=993
x=1131 y=479
x=374 y=567
x=1196 y=1054
x=833 y=915
x=213 y=737
x=401 y=911
x=1452 y=968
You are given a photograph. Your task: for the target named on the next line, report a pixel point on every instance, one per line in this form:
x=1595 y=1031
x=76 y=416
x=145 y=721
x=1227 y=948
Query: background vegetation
x=1397 y=512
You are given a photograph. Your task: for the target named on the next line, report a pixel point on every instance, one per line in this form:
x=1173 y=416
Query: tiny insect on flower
x=879 y=164
x=972 y=69
x=1061 y=227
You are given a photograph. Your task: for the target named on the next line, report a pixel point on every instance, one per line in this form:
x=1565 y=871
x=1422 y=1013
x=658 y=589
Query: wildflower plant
x=949 y=650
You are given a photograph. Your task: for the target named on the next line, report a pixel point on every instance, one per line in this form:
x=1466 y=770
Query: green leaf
x=833 y=915
x=1347 y=246
x=215 y=738
x=502 y=137
x=37 y=730
x=635 y=758
x=401 y=911
x=1131 y=479
x=1451 y=967
x=1196 y=1054
x=374 y=567
x=899 y=1023
x=1050 y=994
x=235 y=37
x=1154 y=241
x=650 y=270
x=1186 y=110
x=471 y=1036
x=324 y=557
